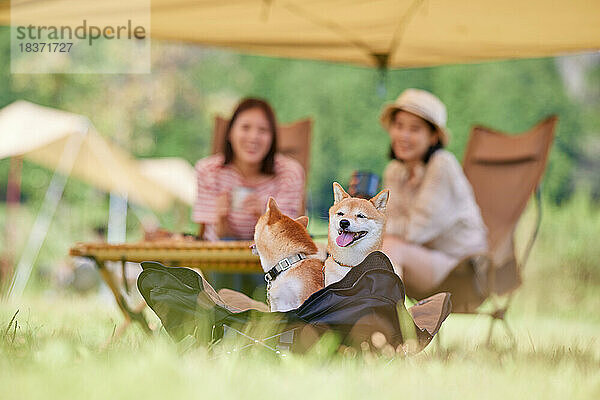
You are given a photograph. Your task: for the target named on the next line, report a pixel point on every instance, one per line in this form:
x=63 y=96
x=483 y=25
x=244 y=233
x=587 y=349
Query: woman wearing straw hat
x=432 y=219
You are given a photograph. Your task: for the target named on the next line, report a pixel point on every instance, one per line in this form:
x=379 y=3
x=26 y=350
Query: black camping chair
x=369 y=299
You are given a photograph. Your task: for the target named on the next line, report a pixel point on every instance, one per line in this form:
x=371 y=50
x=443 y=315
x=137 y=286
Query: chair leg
x=499 y=315
x=509 y=331
x=438 y=341
x=139 y=317
x=490 y=332
x=117 y=333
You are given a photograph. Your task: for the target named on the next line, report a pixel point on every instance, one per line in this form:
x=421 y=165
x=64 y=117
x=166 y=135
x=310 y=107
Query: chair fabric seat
x=369 y=299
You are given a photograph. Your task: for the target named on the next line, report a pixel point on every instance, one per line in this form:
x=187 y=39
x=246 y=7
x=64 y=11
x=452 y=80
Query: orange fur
x=278 y=236
x=310 y=271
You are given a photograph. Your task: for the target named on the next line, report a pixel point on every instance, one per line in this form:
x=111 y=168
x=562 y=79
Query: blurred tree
x=169 y=112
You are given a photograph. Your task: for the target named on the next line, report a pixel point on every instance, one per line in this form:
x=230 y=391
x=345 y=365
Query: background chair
x=504 y=170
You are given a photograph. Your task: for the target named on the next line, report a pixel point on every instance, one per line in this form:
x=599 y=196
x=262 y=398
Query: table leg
x=128 y=313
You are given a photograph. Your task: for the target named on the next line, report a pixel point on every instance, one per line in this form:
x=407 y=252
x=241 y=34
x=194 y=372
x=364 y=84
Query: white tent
x=70 y=145
x=174 y=175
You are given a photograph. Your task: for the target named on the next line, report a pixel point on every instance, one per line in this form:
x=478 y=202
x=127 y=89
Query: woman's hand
x=223 y=205
x=253 y=205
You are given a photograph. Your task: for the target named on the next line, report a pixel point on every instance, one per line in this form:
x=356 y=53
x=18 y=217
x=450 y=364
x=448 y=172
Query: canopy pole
x=146 y=216
x=382 y=83
x=44 y=218
x=117 y=218
x=382 y=60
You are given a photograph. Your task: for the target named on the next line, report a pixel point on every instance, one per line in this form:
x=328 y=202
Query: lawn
x=59 y=351
x=59 y=348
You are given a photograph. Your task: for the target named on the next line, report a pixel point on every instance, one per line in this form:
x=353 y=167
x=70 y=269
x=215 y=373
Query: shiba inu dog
x=356 y=229
x=289 y=258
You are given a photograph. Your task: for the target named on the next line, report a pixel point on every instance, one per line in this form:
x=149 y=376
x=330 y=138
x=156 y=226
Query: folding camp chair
x=368 y=300
x=504 y=170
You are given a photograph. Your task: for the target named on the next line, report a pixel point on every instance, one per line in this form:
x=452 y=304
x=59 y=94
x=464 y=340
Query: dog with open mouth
x=356 y=228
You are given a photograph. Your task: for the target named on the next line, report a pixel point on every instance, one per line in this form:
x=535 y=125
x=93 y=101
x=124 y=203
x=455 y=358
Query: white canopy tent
x=173 y=174
x=46 y=136
x=70 y=145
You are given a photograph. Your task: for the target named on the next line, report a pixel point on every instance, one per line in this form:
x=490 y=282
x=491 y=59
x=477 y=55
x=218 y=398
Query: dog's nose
x=344 y=224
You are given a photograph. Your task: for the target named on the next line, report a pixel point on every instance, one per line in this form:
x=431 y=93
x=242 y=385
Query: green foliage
x=169 y=112
x=563 y=273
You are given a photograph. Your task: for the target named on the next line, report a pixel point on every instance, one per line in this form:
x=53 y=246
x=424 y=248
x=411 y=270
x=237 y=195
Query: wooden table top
x=225 y=256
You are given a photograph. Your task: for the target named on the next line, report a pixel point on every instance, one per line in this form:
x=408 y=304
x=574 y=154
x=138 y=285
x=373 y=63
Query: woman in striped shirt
x=233 y=188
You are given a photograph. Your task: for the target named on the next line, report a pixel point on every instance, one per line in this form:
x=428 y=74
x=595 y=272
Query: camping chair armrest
x=538 y=203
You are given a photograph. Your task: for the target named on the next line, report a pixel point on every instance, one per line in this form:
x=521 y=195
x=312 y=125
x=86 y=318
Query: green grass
x=59 y=347
x=59 y=351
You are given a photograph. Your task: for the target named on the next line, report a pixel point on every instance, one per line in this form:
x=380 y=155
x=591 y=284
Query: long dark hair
x=268 y=163
x=432 y=149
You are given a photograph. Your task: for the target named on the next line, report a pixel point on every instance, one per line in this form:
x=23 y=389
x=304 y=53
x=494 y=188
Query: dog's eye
x=340 y=213
x=360 y=216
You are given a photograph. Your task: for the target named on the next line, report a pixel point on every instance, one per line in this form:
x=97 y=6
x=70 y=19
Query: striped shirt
x=286 y=186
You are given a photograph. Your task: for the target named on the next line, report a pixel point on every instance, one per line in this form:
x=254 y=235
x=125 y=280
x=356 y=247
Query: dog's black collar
x=283 y=265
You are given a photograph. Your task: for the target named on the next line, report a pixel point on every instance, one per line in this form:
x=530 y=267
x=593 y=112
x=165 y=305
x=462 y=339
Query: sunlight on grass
x=59 y=352
x=58 y=344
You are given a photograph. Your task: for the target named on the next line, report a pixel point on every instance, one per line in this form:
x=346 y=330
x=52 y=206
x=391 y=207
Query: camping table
x=221 y=256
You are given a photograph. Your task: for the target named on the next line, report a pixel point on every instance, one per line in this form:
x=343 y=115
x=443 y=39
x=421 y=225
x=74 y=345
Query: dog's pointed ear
x=302 y=220
x=381 y=199
x=271 y=204
x=273 y=211
x=339 y=193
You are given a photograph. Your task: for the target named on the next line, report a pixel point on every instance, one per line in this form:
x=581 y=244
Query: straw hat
x=423 y=104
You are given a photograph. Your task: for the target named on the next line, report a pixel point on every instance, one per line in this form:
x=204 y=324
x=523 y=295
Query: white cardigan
x=436 y=208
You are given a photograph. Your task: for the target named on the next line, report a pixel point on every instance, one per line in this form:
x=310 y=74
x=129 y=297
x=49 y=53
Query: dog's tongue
x=344 y=239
